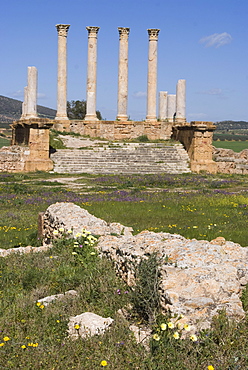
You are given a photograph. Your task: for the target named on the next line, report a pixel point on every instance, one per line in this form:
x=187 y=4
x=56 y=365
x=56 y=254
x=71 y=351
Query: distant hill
x=11 y=110
x=232 y=125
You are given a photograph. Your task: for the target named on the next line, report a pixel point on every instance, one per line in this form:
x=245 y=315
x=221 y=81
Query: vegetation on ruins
x=76 y=109
x=35 y=336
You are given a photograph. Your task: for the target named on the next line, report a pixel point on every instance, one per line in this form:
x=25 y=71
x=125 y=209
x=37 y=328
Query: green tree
x=76 y=109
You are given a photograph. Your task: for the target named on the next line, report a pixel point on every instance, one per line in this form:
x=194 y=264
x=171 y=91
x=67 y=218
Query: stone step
x=123 y=158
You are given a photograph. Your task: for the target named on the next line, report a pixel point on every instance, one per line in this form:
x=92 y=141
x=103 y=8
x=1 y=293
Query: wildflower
x=55 y=232
x=210 y=367
x=69 y=231
x=92 y=253
x=78 y=235
x=38 y=304
x=163 y=326
x=104 y=363
x=35 y=344
x=42 y=306
x=6 y=339
x=156 y=337
x=186 y=327
x=193 y=337
x=176 y=335
x=23 y=346
x=57 y=321
x=74 y=253
x=61 y=229
x=171 y=325
x=2 y=344
x=76 y=326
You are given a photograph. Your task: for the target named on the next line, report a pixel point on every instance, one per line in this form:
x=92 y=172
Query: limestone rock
x=71 y=217
x=47 y=300
x=87 y=324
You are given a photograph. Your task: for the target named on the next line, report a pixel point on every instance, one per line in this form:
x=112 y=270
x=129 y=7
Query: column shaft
x=181 y=101
x=31 y=102
x=163 y=105
x=171 y=107
x=152 y=75
x=62 y=72
x=91 y=74
x=123 y=74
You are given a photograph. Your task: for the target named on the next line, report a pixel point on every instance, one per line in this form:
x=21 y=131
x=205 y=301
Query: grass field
x=196 y=206
x=236 y=146
x=4 y=142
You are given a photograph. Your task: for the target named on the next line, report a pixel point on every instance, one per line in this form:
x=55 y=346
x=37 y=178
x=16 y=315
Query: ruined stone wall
x=122 y=130
x=13 y=158
x=197 y=139
x=230 y=162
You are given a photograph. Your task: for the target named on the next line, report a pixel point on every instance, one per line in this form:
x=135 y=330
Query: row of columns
x=173 y=106
x=169 y=105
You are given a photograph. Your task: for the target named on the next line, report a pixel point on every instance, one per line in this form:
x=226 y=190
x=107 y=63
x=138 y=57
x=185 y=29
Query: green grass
x=236 y=146
x=4 y=142
x=196 y=206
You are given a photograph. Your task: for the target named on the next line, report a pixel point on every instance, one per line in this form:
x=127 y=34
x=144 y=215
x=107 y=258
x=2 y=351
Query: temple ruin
x=32 y=132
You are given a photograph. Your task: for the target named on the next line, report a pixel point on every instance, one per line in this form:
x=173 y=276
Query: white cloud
x=216 y=40
x=140 y=94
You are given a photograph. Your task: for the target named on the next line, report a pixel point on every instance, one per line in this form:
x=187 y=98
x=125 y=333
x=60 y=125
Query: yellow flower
x=38 y=304
x=57 y=321
x=171 y=325
x=186 y=327
x=156 y=337
x=6 y=339
x=77 y=326
x=2 y=344
x=69 y=231
x=104 y=363
x=176 y=335
x=55 y=232
x=35 y=344
x=61 y=229
x=42 y=306
x=210 y=367
x=163 y=326
x=23 y=346
x=193 y=337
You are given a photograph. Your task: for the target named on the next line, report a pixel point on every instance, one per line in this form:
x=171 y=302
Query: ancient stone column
x=31 y=93
x=123 y=74
x=91 y=74
x=181 y=101
x=171 y=107
x=62 y=72
x=163 y=105
x=152 y=75
x=24 y=104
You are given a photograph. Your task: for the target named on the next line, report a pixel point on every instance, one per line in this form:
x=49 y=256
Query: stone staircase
x=124 y=158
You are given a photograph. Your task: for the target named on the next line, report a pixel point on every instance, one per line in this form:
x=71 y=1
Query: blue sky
x=202 y=41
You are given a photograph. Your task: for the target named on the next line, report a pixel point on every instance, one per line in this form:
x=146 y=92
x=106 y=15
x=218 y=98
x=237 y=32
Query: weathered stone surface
x=198 y=278
x=71 y=217
x=23 y=250
x=47 y=300
x=231 y=162
x=87 y=324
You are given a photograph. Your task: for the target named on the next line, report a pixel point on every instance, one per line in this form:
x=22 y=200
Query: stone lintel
x=37 y=122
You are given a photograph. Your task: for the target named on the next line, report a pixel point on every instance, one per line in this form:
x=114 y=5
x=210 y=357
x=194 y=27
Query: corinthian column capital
x=153 y=34
x=92 y=31
x=123 y=32
x=62 y=29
